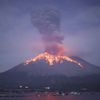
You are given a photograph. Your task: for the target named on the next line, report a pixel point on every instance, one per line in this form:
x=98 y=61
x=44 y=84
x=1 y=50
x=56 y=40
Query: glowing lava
x=51 y=59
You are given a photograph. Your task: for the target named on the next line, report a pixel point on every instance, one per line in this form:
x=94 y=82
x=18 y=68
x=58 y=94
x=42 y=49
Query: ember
x=52 y=59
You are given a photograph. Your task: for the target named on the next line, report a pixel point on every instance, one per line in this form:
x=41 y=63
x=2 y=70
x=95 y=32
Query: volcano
x=54 y=71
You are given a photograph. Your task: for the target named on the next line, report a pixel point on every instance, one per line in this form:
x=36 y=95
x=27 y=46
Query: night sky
x=20 y=40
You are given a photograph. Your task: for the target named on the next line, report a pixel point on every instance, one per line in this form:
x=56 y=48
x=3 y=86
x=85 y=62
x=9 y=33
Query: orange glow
x=51 y=59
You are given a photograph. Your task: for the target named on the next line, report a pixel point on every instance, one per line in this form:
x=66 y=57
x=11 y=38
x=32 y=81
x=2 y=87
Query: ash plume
x=47 y=21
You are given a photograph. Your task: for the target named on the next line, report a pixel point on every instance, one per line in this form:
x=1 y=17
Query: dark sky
x=19 y=39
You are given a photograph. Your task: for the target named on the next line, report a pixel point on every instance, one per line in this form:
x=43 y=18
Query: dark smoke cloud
x=47 y=21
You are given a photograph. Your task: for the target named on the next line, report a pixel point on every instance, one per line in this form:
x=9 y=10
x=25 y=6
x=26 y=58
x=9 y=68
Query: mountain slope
x=40 y=73
x=41 y=67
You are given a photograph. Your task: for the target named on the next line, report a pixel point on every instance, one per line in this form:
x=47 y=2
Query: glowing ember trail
x=51 y=59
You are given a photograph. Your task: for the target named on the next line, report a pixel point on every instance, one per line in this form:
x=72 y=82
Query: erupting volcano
x=47 y=21
x=66 y=74
x=52 y=59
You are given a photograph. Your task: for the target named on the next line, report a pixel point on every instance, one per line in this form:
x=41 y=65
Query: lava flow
x=51 y=59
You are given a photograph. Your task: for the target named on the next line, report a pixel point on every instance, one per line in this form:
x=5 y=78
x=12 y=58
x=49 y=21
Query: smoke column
x=47 y=21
